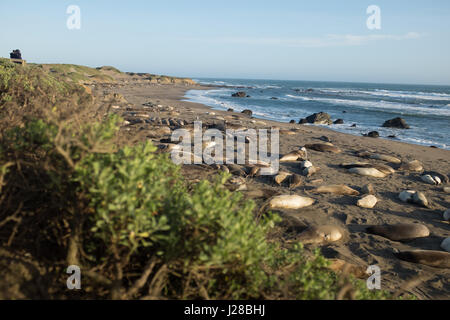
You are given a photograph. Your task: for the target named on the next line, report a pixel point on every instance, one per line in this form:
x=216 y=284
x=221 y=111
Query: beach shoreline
x=168 y=103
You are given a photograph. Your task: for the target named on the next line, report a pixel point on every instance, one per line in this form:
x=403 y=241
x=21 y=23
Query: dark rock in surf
x=339 y=121
x=319 y=118
x=247 y=112
x=398 y=123
x=240 y=94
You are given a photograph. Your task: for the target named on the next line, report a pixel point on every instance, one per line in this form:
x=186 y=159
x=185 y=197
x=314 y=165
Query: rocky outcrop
x=16 y=54
x=319 y=118
x=240 y=94
x=247 y=112
x=398 y=123
x=339 y=121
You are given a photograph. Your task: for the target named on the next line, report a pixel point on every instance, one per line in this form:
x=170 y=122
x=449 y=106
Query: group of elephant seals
x=400 y=232
x=437 y=259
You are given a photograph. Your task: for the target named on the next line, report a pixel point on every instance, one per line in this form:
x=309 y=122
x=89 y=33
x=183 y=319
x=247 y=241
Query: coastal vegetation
x=73 y=193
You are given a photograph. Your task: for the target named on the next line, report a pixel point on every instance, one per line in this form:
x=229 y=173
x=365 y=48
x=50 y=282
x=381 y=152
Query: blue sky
x=299 y=40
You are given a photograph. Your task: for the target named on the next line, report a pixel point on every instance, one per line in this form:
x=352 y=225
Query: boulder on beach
x=303 y=121
x=339 y=121
x=373 y=134
x=319 y=118
x=292 y=121
x=247 y=112
x=398 y=123
x=230 y=110
x=240 y=94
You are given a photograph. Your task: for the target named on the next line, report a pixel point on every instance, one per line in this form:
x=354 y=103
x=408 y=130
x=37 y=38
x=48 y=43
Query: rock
x=292 y=121
x=398 y=123
x=309 y=90
x=274 y=98
x=368 y=189
x=446 y=245
x=367 y=202
x=446 y=189
x=446 y=215
x=319 y=118
x=339 y=121
x=353 y=125
x=247 y=112
x=240 y=94
x=303 y=121
x=230 y=110
x=373 y=134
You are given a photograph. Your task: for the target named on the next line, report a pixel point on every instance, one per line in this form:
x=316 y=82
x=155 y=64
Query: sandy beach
x=359 y=248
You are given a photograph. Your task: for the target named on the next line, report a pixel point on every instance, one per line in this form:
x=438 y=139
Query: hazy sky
x=302 y=40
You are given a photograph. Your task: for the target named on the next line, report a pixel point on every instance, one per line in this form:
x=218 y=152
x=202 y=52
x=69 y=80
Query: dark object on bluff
x=339 y=121
x=398 y=123
x=319 y=118
x=373 y=134
x=240 y=94
x=247 y=112
x=16 y=54
x=230 y=110
x=292 y=121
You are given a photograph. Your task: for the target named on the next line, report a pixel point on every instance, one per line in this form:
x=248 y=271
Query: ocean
x=425 y=108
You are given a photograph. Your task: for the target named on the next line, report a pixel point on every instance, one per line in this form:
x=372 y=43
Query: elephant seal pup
x=295 y=155
x=415 y=166
x=415 y=197
x=400 y=232
x=446 y=245
x=441 y=177
x=322 y=147
x=437 y=259
x=322 y=235
x=295 y=181
x=370 y=172
x=337 y=189
x=339 y=265
x=368 y=201
x=290 y=202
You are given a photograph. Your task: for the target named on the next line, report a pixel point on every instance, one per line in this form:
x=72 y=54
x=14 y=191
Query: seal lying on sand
x=437 y=259
x=370 y=172
x=400 y=232
x=415 y=166
x=290 y=202
x=411 y=196
x=336 y=189
x=321 y=235
x=322 y=147
x=295 y=155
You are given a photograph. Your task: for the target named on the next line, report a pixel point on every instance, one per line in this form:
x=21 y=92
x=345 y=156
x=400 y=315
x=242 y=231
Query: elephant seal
x=280 y=177
x=411 y=196
x=380 y=167
x=295 y=181
x=400 y=232
x=412 y=166
x=446 y=245
x=437 y=259
x=370 y=172
x=290 y=202
x=337 y=189
x=447 y=215
x=322 y=147
x=295 y=155
x=368 y=201
x=322 y=235
x=385 y=157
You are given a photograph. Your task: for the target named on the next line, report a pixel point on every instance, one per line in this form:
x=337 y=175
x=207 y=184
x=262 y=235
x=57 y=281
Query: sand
x=360 y=247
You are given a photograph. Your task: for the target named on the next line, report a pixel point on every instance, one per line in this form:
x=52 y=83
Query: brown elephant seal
x=295 y=181
x=400 y=232
x=414 y=166
x=295 y=155
x=322 y=235
x=341 y=266
x=437 y=259
x=337 y=189
x=322 y=147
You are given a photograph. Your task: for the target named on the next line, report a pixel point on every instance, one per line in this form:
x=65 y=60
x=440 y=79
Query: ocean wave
x=414 y=95
x=383 y=105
